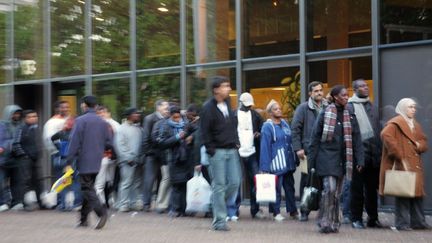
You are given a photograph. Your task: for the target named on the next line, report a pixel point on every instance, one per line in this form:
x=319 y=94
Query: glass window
x=210 y=31
x=152 y=88
x=113 y=94
x=110 y=20
x=199 y=84
x=67 y=38
x=342 y=71
x=158 y=33
x=334 y=24
x=403 y=21
x=5 y=92
x=4 y=64
x=28 y=41
x=271 y=28
x=280 y=84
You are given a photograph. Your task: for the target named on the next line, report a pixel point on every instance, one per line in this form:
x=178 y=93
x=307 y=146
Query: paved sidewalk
x=53 y=226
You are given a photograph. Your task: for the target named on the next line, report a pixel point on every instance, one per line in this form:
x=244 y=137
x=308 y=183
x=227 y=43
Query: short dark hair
x=58 y=103
x=102 y=108
x=174 y=109
x=218 y=80
x=337 y=89
x=27 y=112
x=313 y=84
x=193 y=108
x=159 y=102
x=355 y=83
x=89 y=100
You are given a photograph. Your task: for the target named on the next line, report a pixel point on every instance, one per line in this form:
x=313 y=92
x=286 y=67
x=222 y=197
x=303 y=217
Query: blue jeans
x=232 y=206
x=346 y=198
x=285 y=181
x=225 y=172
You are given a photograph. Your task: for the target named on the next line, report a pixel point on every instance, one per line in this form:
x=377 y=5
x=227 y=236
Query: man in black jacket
x=153 y=162
x=364 y=184
x=302 y=124
x=219 y=135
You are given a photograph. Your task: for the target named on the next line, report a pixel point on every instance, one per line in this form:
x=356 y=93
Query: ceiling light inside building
x=162 y=9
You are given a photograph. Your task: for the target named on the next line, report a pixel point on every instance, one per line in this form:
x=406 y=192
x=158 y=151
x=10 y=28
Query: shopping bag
x=400 y=183
x=265 y=188
x=63 y=182
x=198 y=194
x=303 y=165
x=310 y=199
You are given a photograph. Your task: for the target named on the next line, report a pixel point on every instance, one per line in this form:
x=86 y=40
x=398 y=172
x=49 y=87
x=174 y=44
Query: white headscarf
x=402 y=108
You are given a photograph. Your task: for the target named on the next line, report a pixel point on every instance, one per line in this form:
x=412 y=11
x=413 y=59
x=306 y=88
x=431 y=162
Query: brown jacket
x=399 y=142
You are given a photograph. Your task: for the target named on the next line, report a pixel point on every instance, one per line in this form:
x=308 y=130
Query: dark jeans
x=409 y=212
x=33 y=178
x=178 y=197
x=285 y=181
x=364 y=188
x=345 y=198
x=151 y=170
x=14 y=173
x=90 y=200
x=251 y=168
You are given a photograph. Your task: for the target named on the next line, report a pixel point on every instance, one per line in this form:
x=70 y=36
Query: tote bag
x=400 y=183
x=265 y=188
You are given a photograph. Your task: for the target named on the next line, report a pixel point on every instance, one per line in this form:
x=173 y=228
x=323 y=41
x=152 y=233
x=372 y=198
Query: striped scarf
x=330 y=115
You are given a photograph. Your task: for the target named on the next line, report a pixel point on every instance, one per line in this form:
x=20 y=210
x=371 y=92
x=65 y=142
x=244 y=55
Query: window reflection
x=406 y=20
x=333 y=24
x=280 y=84
x=199 y=84
x=210 y=31
x=110 y=36
x=28 y=40
x=342 y=71
x=152 y=88
x=271 y=28
x=158 y=35
x=114 y=94
x=67 y=38
x=4 y=64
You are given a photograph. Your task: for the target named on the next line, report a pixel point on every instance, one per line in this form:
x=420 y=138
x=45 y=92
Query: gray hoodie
x=8 y=131
x=127 y=142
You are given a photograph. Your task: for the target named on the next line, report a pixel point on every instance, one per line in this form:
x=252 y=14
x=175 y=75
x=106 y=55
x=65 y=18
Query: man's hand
x=66 y=168
x=257 y=135
x=359 y=168
x=1 y=150
x=189 y=140
x=301 y=154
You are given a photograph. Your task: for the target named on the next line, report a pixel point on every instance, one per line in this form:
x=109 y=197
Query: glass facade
x=4 y=61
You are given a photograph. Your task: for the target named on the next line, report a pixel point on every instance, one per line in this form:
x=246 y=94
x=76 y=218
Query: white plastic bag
x=265 y=188
x=198 y=194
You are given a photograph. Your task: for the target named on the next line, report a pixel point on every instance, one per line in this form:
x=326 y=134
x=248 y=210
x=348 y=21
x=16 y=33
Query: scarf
x=177 y=126
x=330 y=119
x=366 y=129
x=401 y=109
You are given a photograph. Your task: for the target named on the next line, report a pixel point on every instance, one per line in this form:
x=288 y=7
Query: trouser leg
x=90 y=199
x=164 y=191
x=402 y=212
x=357 y=195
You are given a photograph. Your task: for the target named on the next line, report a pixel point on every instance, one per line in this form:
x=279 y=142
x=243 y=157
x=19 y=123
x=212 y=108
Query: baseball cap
x=246 y=99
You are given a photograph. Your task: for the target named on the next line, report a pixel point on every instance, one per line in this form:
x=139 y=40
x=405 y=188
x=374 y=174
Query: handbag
x=265 y=185
x=400 y=183
x=311 y=198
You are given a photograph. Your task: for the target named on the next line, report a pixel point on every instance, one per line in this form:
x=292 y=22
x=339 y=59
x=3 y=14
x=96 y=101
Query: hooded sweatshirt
x=8 y=131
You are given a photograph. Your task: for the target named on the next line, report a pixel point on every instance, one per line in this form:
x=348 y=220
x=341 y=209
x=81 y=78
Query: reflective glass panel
x=114 y=94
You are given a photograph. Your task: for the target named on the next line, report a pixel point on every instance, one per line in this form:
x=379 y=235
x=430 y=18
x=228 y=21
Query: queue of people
x=144 y=163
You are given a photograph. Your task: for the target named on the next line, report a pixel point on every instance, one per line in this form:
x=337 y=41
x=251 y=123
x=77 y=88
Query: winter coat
x=8 y=135
x=28 y=142
x=302 y=125
x=127 y=142
x=175 y=152
x=90 y=137
x=148 y=146
x=329 y=157
x=277 y=155
x=399 y=143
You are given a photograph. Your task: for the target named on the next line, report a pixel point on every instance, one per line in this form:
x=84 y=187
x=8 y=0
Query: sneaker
x=294 y=215
x=259 y=215
x=138 y=206
x=279 y=218
x=101 y=221
x=234 y=218
x=18 y=206
x=346 y=220
x=4 y=208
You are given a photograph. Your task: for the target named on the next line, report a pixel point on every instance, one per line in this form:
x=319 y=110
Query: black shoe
x=146 y=208
x=82 y=224
x=404 y=228
x=374 y=224
x=222 y=228
x=101 y=221
x=424 y=226
x=303 y=217
x=325 y=230
x=357 y=224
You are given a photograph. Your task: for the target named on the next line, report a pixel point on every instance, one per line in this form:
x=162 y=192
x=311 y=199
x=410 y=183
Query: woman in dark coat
x=335 y=149
x=404 y=141
x=171 y=137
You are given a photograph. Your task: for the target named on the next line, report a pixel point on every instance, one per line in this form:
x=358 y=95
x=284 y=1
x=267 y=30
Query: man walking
x=90 y=137
x=219 y=135
x=364 y=184
x=302 y=124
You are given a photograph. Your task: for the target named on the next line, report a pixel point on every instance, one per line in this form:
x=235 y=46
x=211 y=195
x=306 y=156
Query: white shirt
x=245 y=133
x=223 y=108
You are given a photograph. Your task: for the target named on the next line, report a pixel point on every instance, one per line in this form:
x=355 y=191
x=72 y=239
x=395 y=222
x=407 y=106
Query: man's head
x=246 y=100
x=30 y=117
x=62 y=108
x=361 y=88
x=103 y=112
x=88 y=102
x=221 y=87
x=315 y=89
x=162 y=106
x=192 y=112
x=17 y=116
x=175 y=114
x=133 y=115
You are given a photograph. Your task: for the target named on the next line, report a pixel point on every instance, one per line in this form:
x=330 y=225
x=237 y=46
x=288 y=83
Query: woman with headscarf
x=277 y=157
x=335 y=149
x=403 y=143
